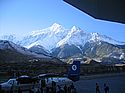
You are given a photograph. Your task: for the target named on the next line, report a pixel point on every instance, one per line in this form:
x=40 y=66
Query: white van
x=14 y=84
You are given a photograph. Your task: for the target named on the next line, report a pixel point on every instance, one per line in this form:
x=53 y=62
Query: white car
x=7 y=86
x=14 y=85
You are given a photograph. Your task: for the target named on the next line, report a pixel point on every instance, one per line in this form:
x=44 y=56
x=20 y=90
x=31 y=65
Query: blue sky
x=20 y=17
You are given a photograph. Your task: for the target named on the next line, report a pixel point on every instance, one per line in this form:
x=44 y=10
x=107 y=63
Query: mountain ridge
x=56 y=35
x=60 y=42
x=4 y=45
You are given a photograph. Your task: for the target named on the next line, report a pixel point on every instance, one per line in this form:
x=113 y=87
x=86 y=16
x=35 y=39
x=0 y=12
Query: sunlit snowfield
x=116 y=84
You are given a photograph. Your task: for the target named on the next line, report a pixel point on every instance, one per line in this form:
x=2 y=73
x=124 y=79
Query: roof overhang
x=110 y=10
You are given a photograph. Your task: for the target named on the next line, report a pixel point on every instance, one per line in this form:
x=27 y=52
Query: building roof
x=110 y=10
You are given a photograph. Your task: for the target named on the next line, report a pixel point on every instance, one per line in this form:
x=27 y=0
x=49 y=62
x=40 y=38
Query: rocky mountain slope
x=10 y=52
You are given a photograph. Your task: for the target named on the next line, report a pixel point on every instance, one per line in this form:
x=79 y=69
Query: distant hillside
x=8 y=55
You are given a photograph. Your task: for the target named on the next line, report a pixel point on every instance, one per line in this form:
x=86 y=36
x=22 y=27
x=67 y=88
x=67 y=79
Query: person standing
x=69 y=89
x=72 y=86
x=65 y=88
x=11 y=89
x=97 y=88
x=106 y=88
x=19 y=90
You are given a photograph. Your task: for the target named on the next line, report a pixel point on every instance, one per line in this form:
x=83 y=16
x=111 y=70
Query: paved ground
x=115 y=83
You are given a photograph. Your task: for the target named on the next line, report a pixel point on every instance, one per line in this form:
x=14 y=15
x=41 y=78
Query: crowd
x=54 y=89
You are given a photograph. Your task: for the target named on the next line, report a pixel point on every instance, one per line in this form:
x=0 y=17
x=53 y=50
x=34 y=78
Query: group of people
x=106 y=88
x=54 y=89
x=46 y=88
x=67 y=89
x=60 y=89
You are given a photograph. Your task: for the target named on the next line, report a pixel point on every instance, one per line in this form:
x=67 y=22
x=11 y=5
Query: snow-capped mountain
x=40 y=50
x=62 y=42
x=56 y=36
x=75 y=36
x=48 y=38
x=4 y=44
x=98 y=37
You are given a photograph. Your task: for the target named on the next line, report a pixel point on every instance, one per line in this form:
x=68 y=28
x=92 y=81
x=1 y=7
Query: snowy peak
x=74 y=28
x=56 y=27
x=96 y=37
x=48 y=37
x=53 y=28
x=77 y=31
x=74 y=36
